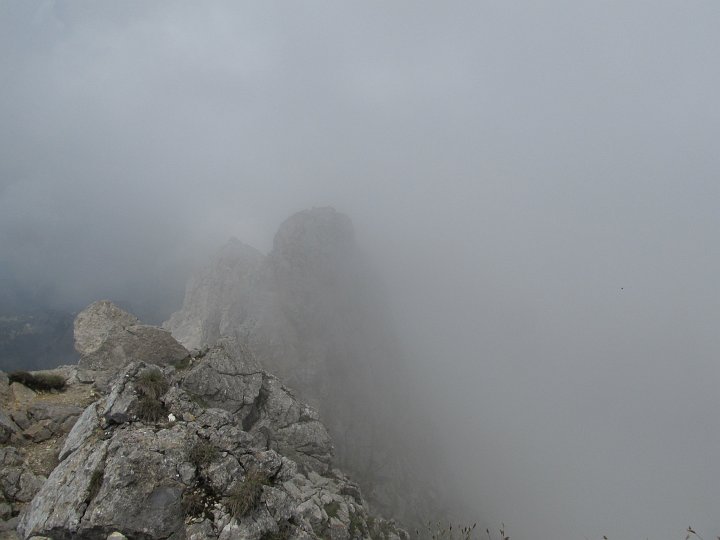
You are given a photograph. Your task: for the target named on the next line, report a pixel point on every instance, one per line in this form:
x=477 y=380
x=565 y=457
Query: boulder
x=21 y=393
x=226 y=380
x=7 y=427
x=109 y=338
x=81 y=431
x=98 y=322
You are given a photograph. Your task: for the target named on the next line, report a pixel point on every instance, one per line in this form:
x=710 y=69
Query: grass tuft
x=203 y=453
x=332 y=509
x=96 y=481
x=150 y=409
x=151 y=383
x=245 y=496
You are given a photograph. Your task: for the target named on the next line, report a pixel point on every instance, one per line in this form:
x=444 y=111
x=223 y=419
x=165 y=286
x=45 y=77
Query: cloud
x=538 y=180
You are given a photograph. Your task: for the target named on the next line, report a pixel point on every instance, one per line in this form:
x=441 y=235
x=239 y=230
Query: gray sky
x=538 y=179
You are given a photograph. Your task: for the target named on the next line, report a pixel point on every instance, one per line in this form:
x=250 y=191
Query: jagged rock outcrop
x=313 y=313
x=32 y=427
x=109 y=338
x=217 y=297
x=213 y=447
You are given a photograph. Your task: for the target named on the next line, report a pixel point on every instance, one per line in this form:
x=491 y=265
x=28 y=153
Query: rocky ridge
x=150 y=441
x=313 y=312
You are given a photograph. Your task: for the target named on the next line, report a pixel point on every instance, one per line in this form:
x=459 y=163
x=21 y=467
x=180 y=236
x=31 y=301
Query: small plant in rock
x=183 y=364
x=198 y=502
x=41 y=382
x=151 y=383
x=150 y=409
x=96 y=481
x=203 y=453
x=245 y=496
x=357 y=525
x=332 y=509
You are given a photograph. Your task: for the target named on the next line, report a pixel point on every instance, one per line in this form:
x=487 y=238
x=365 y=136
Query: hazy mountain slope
x=313 y=312
x=210 y=446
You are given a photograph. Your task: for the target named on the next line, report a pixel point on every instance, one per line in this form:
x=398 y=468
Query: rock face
x=313 y=313
x=33 y=427
x=217 y=297
x=214 y=447
x=109 y=338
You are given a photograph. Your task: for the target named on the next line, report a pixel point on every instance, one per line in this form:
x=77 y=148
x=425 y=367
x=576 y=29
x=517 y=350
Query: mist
x=537 y=182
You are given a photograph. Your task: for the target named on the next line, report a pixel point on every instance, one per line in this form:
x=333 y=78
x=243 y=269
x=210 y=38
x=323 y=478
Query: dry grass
x=151 y=383
x=245 y=497
x=150 y=409
x=203 y=453
x=41 y=382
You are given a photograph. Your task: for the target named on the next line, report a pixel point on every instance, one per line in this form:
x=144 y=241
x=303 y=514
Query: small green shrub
x=332 y=509
x=183 y=364
x=357 y=525
x=150 y=409
x=245 y=497
x=96 y=481
x=42 y=382
x=151 y=383
x=203 y=453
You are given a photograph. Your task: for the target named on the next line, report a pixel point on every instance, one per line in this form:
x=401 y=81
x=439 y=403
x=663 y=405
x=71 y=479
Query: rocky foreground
x=150 y=441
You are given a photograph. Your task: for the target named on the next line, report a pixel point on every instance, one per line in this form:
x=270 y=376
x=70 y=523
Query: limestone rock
x=109 y=338
x=98 y=322
x=216 y=298
x=21 y=393
x=81 y=431
x=260 y=404
x=313 y=313
x=7 y=427
x=225 y=380
x=177 y=479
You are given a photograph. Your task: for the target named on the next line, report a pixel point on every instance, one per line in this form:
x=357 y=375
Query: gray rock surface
x=83 y=428
x=7 y=427
x=225 y=426
x=109 y=338
x=5 y=394
x=98 y=322
x=216 y=296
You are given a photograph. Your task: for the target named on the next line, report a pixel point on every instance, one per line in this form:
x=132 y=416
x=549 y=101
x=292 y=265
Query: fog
x=538 y=182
